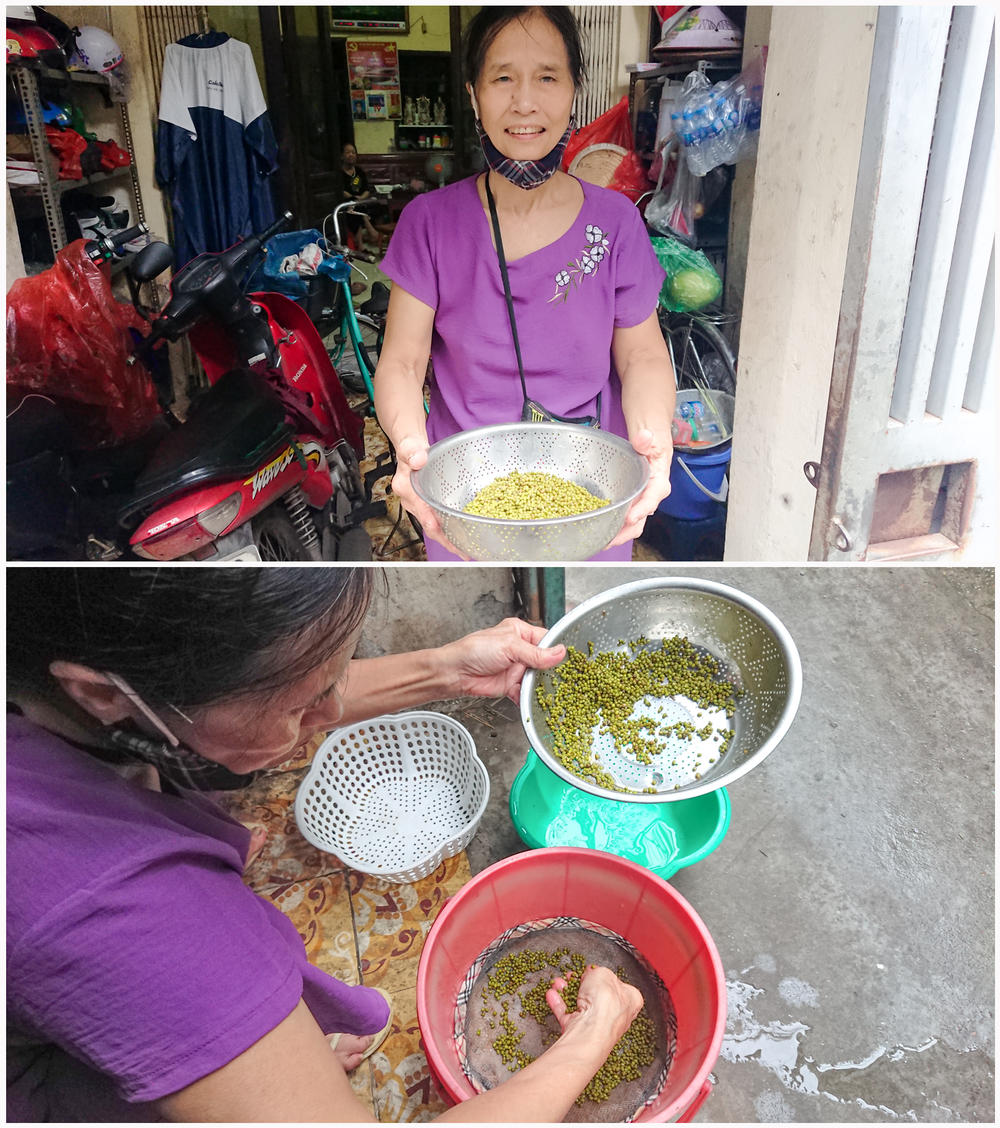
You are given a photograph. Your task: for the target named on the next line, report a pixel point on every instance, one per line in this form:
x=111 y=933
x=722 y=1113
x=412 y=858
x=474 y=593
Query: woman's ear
x=92 y=691
x=472 y=96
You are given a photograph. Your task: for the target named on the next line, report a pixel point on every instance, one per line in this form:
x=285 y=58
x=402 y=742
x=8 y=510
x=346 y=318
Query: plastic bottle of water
x=685 y=131
x=731 y=135
x=707 y=131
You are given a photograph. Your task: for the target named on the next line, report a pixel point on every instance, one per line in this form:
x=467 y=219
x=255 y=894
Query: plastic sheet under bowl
x=394 y=796
x=754 y=651
x=459 y=467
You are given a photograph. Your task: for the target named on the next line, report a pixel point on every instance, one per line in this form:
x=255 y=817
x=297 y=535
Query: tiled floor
x=358 y=928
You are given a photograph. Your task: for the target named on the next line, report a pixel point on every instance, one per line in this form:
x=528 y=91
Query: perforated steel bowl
x=459 y=467
x=752 y=647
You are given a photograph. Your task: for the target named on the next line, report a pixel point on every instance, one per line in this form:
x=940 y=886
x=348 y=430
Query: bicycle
x=362 y=329
x=699 y=352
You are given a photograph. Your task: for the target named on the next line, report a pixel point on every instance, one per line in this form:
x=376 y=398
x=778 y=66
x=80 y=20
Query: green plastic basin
x=663 y=837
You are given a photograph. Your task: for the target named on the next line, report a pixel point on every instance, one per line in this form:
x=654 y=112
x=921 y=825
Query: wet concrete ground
x=852 y=900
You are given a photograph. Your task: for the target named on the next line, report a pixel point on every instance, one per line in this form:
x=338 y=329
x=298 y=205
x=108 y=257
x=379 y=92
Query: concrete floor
x=852 y=900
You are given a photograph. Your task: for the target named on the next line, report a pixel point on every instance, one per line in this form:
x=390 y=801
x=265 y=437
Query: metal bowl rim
x=539 y=522
x=785 y=642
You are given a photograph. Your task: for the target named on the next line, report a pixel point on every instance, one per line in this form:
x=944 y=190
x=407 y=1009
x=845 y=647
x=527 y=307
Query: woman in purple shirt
x=583 y=276
x=145 y=980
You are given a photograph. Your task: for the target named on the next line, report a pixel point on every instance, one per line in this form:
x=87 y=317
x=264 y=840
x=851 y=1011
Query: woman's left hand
x=658 y=451
x=492 y=662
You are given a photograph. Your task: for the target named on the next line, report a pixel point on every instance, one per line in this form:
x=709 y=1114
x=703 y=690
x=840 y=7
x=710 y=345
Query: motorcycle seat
x=227 y=432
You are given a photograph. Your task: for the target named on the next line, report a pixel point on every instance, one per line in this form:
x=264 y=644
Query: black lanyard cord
x=506 y=283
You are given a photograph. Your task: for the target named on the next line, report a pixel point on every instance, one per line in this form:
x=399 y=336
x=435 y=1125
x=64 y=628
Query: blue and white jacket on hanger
x=215 y=147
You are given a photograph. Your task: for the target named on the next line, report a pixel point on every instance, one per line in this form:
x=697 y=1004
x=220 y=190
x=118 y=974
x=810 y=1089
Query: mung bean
x=532 y=496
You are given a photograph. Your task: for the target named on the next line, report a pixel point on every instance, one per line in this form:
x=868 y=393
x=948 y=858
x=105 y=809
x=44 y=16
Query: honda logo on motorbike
x=266 y=474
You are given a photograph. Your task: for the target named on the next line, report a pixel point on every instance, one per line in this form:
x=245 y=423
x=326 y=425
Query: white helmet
x=95 y=51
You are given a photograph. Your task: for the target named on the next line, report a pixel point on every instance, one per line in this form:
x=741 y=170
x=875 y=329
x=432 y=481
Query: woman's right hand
x=605 y=1006
x=411 y=454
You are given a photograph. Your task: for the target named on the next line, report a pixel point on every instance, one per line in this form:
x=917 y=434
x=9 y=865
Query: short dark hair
x=489 y=21
x=189 y=637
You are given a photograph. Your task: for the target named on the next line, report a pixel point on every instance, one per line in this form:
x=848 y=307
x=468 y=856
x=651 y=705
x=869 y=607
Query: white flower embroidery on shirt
x=591 y=257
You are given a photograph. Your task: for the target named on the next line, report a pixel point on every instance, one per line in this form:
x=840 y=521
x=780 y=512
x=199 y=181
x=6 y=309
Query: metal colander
x=459 y=467
x=752 y=647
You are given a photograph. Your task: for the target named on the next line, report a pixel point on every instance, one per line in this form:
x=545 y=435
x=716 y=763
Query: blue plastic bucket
x=696 y=482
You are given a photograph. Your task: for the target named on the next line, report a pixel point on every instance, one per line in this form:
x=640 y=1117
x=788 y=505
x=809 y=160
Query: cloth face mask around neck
x=525 y=174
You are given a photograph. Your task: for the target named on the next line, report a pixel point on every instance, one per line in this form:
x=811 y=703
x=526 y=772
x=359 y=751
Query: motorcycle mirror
x=152 y=260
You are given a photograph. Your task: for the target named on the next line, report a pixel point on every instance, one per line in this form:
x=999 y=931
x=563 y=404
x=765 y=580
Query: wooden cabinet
x=394 y=168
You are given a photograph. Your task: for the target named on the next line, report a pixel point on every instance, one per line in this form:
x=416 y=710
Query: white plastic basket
x=394 y=796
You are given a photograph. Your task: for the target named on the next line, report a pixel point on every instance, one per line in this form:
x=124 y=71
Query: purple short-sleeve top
x=569 y=297
x=137 y=959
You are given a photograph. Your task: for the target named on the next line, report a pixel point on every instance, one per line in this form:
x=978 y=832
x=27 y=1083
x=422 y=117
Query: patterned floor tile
x=392 y=920
x=320 y=909
x=404 y=1088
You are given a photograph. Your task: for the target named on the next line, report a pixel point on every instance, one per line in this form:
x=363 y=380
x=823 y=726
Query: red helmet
x=28 y=41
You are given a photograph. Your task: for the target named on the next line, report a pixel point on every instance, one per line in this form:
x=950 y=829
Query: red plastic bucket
x=602 y=888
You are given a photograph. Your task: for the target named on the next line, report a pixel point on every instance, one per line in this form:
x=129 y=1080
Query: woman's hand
x=411 y=454
x=492 y=662
x=658 y=451
x=604 y=1004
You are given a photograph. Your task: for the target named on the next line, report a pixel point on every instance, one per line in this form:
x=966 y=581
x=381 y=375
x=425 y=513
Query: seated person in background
x=356 y=187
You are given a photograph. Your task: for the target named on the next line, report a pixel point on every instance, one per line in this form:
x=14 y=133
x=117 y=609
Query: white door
x=908 y=465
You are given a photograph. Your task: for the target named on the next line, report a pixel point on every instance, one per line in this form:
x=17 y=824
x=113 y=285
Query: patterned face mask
x=525 y=174
x=182 y=766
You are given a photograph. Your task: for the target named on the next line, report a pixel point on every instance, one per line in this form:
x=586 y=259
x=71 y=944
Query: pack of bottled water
x=719 y=123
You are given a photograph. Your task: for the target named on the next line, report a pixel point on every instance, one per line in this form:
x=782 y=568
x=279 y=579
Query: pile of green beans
x=634 y=1051
x=600 y=691
x=532 y=496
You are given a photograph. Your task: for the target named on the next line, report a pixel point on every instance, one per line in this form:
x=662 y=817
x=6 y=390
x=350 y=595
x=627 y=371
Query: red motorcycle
x=266 y=465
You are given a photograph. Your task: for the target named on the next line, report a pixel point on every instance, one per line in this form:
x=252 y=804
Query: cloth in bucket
x=495 y=1034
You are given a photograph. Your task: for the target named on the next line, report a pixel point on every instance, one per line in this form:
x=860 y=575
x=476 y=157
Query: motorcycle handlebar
x=282 y=221
x=236 y=256
x=132 y=233
x=108 y=246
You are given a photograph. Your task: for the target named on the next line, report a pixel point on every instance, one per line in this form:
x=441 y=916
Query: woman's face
x=525 y=89
x=256 y=732
x=350 y=156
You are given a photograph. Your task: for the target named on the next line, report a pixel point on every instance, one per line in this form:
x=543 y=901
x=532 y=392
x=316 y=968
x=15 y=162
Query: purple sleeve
x=156 y=974
x=410 y=260
x=638 y=274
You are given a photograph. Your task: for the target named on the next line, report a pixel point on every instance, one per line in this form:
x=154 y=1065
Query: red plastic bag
x=113 y=155
x=612 y=128
x=68 y=338
x=68 y=145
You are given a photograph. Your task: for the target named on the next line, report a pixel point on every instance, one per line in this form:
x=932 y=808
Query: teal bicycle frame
x=338 y=269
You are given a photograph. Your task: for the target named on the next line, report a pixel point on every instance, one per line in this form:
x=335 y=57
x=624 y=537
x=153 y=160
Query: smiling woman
x=583 y=280
x=150 y=981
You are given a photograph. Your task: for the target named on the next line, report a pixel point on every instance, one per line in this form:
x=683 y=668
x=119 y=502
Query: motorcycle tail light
x=190 y=534
x=221 y=515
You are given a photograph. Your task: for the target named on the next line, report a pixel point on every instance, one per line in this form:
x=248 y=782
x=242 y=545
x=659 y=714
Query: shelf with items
x=420 y=138
x=66 y=185
x=28 y=81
